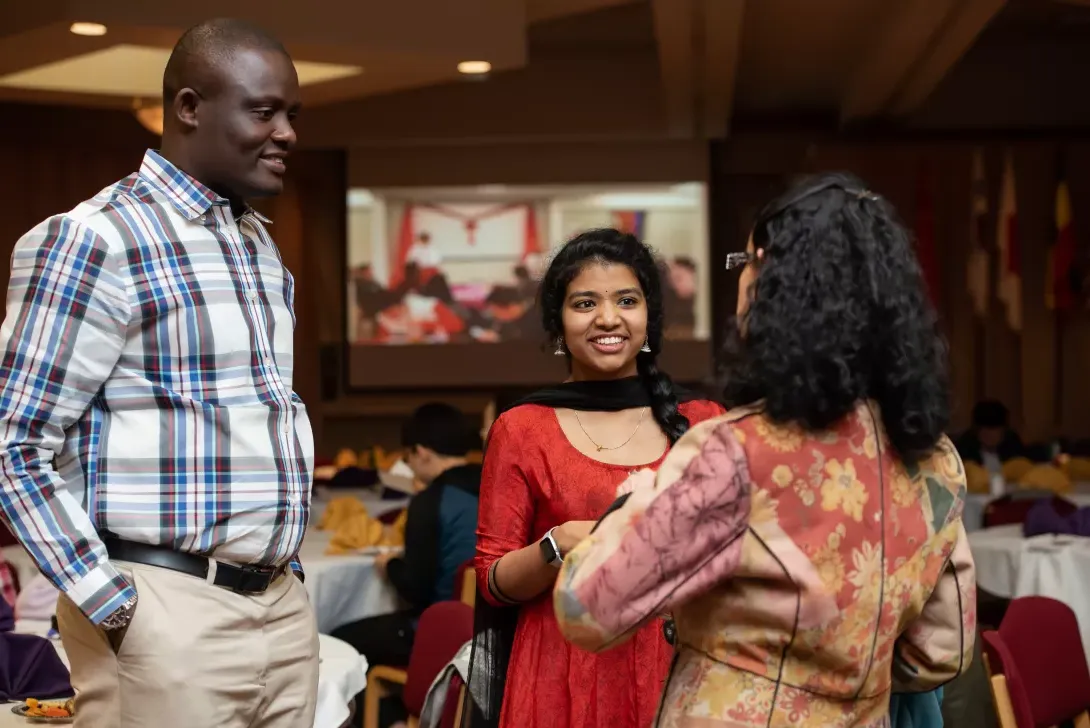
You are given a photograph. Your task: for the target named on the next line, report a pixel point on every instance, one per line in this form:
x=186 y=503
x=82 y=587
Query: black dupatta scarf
x=494 y=627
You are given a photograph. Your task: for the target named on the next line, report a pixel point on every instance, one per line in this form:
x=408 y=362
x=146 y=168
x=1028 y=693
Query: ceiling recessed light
x=92 y=29
x=474 y=67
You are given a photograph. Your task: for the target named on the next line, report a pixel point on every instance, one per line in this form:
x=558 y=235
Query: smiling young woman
x=552 y=468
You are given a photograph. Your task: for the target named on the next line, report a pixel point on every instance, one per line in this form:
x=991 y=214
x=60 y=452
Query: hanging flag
x=630 y=221
x=1059 y=291
x=978 y=272
x=1009 y=279
x=925 y=236
x=530 y=243
x=405 y=239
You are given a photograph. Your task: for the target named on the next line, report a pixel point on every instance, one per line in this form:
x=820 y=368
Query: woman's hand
x=637 y=480
x=568 y=535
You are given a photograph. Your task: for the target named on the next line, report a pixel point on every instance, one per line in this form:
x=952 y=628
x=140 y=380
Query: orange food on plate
x=38 y=709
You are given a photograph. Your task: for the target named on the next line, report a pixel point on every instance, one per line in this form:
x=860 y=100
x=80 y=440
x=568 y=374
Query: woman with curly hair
x=809 y=542
x=552 y=467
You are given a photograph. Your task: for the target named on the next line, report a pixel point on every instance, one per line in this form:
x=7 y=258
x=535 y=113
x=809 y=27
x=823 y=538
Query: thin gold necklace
x=615 y=447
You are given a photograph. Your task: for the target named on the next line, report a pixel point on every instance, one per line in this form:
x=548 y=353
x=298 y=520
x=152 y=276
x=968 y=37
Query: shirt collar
x=191 y=198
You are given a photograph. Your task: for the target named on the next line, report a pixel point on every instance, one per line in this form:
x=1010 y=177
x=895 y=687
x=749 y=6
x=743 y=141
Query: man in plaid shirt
x=154 y=460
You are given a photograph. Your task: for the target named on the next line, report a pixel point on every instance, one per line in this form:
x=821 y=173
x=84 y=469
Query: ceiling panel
x=134 y=71
x=801 y=55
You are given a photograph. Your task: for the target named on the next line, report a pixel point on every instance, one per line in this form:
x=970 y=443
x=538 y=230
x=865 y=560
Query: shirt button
x=253 y=295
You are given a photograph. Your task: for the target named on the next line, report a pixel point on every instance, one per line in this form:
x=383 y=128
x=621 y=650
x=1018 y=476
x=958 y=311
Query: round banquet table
x=975 y=503
x=1010 y=565
x=342 y=588
x=342 y=674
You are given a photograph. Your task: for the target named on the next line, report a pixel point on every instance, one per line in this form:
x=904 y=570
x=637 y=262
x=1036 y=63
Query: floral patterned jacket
x=808 y=574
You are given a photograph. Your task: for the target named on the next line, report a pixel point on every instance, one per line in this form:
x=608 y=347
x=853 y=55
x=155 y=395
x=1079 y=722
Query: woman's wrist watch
x=550 y=551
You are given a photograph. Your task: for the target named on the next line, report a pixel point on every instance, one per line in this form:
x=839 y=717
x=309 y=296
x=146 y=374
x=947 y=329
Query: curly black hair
x=839 y=314
x=612 y=246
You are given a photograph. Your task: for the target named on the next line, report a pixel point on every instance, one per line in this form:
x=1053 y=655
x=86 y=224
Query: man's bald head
x=205 y=48
x=231 y=97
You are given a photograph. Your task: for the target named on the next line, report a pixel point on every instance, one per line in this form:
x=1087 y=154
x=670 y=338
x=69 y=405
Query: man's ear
x=185 y=108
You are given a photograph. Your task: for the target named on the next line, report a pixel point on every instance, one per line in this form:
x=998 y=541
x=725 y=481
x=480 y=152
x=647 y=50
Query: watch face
x=548 y=551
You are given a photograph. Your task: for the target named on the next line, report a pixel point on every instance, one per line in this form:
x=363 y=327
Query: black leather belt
x=241 y=579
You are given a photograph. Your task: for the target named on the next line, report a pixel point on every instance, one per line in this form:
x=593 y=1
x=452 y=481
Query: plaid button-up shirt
x=146 y=386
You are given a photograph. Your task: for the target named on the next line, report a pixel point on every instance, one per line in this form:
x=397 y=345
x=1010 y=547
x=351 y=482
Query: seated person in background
x=8 y=590
x=440 y=532
x=990 y=441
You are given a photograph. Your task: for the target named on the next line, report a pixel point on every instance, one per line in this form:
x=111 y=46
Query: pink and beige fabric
x=809 y=574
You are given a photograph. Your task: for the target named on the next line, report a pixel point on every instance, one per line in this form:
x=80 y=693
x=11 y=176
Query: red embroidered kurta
x=534 y=479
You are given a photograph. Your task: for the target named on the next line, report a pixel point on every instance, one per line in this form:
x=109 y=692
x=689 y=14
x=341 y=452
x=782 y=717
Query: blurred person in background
x=680 y=298
x=440 y=535
x=552 y=466
x=808 y=543
x=990 y=441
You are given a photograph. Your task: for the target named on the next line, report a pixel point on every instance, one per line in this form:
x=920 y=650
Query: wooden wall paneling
x=1035 y=171
x=309 y=219
x=952 y=179
x=1073 y=330
x=1002 y=361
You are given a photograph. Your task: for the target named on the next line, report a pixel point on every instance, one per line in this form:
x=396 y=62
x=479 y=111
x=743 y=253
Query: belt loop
x=212 y=566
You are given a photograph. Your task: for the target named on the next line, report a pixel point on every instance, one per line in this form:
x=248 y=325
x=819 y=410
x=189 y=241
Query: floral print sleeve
x=671 y=541
x=938 y=645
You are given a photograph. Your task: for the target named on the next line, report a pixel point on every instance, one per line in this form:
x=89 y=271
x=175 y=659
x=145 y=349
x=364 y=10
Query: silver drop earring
x=559 y=347
x=646 y=348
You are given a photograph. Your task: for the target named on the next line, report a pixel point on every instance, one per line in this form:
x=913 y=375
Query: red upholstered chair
x=1007 y=509
x=444 y=627
x=1008 y=694
x=1039 y=652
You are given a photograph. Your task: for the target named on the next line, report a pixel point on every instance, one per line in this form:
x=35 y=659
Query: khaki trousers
x=196 y=656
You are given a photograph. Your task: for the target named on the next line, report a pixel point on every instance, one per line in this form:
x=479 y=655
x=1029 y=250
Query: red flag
x=630 y=221
x=405 y=240
x=925 y=236
x=530 y=244
x=1059 y=293
x=978 y=273
x=1009 y=284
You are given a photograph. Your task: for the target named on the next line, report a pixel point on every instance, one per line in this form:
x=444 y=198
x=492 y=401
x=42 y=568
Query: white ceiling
x=134 y=71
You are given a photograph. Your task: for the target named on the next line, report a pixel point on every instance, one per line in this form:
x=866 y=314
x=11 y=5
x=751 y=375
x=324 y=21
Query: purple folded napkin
x=29 y=665
x=1044 y=518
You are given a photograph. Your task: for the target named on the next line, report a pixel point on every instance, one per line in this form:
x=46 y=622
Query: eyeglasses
x=739 y=260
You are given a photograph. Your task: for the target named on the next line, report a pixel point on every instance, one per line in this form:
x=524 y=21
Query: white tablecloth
x=975 y=503
x=342 y=674
x=1011 y=566
x=342 y=589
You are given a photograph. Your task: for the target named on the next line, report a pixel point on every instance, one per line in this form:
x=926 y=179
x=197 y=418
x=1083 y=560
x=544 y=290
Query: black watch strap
x=550 y=551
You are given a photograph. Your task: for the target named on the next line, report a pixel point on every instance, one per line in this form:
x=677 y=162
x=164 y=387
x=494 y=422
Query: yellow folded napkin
x=1015 y=468
x=1078 y=469
x=397 y=529
x=339 y=511
x=1046 y=477
x=976 y=478
x=385 y=460
x=354 y=529
x=360 y=532
x=346 y=459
